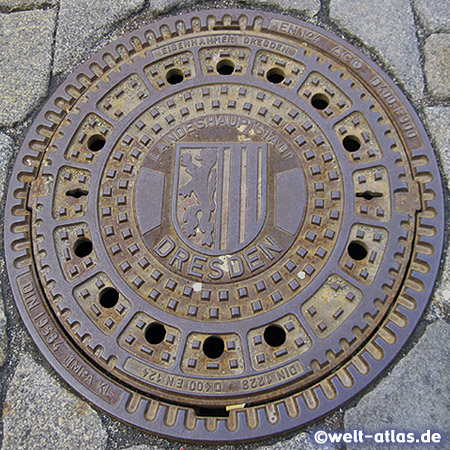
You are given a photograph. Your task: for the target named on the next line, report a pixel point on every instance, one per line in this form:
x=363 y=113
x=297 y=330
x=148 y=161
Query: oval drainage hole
x=155 y=333
x=175 y=76
x=320 y=101
x=275 y=75
x=225 y=67
x=357 y=250
x=274 y=335
x=213 y=347
x=108 y=297
x=96 y=143
x=351 y=143
x=82 y=247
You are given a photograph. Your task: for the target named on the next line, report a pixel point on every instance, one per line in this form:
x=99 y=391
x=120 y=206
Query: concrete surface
x=22 y=5
x=437 y=65
x=81 y=23
x=39 y=415
x=395 y=399
x=434 y=14
x=42 y=41
x=388 y=28
x=24 y=80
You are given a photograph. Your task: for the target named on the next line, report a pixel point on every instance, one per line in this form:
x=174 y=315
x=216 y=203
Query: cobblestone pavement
x=41 y=41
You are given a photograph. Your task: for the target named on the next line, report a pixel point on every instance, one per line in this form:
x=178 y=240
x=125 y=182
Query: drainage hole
x=108 y=297
x=369 y=195
x=76 y=193
x=225 y=67
x=174 y=76
x=213 y=347
x=200 y=411
x=275 y=75
x=357 y=250
x=82 y=247
x=274 y=335
x=320 y=101
x=96 y=143
x=351 y=143
x=155 y=333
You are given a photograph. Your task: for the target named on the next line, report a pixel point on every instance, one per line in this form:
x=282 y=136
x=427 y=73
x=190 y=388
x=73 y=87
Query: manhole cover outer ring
x=170 y=420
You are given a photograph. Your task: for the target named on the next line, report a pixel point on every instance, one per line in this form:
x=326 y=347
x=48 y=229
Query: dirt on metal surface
x=224 y=225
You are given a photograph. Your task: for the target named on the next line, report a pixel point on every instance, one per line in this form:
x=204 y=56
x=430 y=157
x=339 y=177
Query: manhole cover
x=224 y=225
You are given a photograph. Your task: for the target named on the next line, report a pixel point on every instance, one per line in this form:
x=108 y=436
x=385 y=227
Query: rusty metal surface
x=224 y=225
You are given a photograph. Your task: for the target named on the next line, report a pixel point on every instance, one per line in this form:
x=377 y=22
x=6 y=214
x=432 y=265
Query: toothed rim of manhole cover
x=224 y=225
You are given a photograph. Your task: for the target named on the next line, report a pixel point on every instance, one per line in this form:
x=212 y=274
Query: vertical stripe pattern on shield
x=219 y=195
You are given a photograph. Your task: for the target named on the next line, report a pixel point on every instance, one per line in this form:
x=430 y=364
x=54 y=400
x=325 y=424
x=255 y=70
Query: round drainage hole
x=225 y=67
x=357 y=250
x=351 y=143
x=82 y=247
x=274 y=335
x=155 y=333
x=108 y=297
x=275 y=75
x=213 y=347
x=320 y=101
x=175 y=76
x=96 y=143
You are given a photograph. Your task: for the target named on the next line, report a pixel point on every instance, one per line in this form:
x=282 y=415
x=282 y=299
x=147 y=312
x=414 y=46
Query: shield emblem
x=219 y=196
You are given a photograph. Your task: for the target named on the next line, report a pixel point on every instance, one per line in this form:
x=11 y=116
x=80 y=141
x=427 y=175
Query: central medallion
x=222 y=189
x=219 y=201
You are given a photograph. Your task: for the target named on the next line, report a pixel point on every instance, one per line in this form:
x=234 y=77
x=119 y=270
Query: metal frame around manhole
x=286 y=252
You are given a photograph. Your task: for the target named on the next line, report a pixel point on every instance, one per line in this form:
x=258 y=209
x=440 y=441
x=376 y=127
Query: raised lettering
x=235 y=266
x=194 y=265
x=252 y=259
x=269 y=248
x=216 y=271
x=165 y=247
x=181 y=256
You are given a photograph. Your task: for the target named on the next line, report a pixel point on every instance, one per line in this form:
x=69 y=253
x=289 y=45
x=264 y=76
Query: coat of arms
x=219 y=195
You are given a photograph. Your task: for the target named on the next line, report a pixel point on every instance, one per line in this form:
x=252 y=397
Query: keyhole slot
x=76 y=193
x=369 y=195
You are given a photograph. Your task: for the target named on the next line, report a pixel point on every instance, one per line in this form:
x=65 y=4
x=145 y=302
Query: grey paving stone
x=434 y=14
x=164 y=5
x=438 y=120
x=301 y=441
x=81 y=23
x=25 y=53
x=437 y=65
x=3 y=332
x=142 y=447
x=39 y=414
x=6 y=150
x=15 y=5
x=388 y=27
x=414 y=397
x=308 y=7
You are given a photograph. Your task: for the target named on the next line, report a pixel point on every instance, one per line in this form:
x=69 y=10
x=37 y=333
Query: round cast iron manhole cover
x=224 y=225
